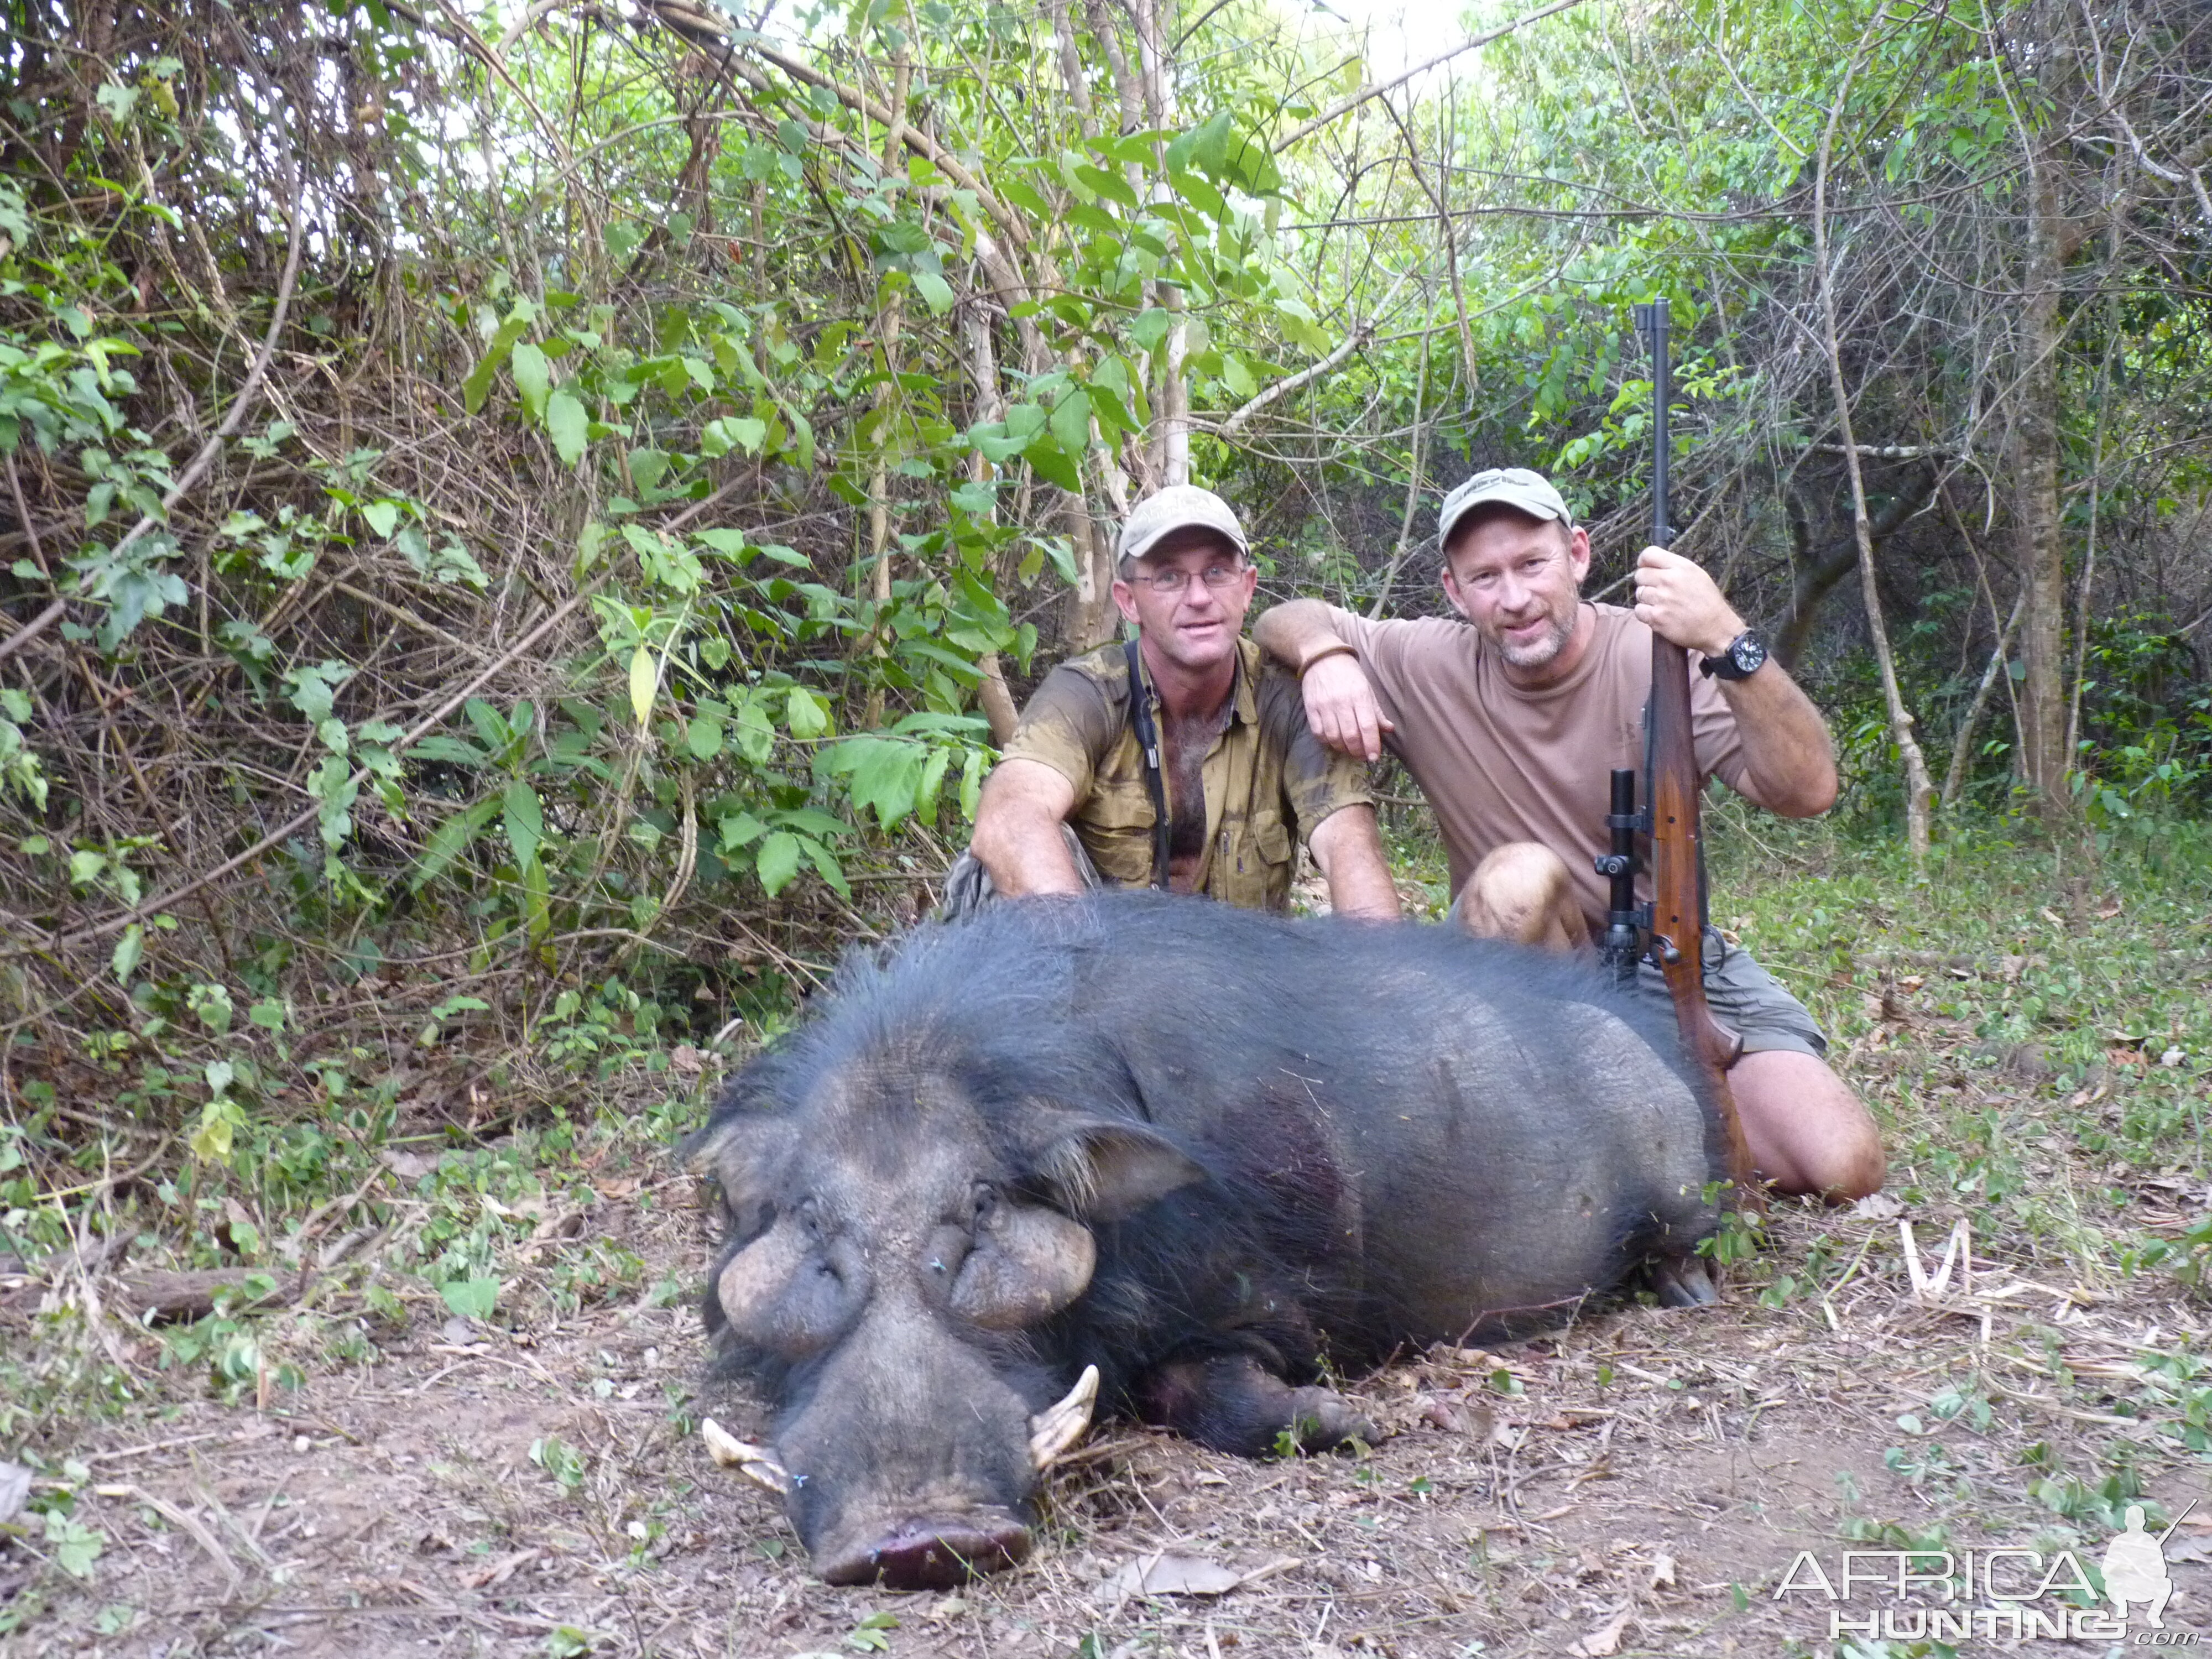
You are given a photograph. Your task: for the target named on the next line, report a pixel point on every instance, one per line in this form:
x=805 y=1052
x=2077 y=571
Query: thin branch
x=1414 y=462
x=1962 y=746
x=1352 y=102
x=1919 y=790
x=1451 y=247
x=1291 y=383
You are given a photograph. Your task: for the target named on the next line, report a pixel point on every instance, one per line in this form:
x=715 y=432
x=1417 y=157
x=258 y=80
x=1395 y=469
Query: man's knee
x=1855 y=1165
x=1523 y=892
x=1808 y=1131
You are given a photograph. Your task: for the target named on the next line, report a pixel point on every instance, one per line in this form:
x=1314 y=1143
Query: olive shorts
x=1747 y=999
x=1743 y=996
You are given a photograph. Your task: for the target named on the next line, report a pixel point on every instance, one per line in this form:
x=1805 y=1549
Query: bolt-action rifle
x=1670 y=930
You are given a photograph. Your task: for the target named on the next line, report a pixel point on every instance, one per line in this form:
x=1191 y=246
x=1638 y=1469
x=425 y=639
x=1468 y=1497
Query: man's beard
x=1544 y=651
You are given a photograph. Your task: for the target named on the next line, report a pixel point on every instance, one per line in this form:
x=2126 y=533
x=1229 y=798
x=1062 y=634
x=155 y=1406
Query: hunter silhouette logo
x=2135 y=1568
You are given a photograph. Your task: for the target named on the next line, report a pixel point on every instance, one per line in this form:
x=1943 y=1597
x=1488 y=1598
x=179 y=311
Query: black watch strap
x=1745 y=656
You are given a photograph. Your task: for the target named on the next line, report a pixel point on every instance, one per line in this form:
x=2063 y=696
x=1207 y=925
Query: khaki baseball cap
x=1516 y=487
x=1178 y=507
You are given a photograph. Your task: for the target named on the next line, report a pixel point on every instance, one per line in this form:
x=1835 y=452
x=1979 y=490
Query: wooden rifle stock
x=1678 y=898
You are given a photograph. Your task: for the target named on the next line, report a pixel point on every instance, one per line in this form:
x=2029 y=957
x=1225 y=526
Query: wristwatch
x=1744 y=654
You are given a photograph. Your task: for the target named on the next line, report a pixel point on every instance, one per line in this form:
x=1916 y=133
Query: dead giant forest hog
x=1193 y=1147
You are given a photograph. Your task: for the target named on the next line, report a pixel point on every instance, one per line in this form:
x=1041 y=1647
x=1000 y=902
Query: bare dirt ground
x=1638 y=1484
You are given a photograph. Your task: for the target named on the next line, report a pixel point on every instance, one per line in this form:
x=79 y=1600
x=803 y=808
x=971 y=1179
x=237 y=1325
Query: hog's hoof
x=1325 y=1419
x=1683 y=1281
x=920 y=1554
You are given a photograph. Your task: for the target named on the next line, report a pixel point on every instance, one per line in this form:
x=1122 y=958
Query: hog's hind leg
x=1234 y=1404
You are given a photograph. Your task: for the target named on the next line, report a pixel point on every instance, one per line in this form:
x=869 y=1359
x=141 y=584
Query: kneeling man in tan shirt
x=1512 y=727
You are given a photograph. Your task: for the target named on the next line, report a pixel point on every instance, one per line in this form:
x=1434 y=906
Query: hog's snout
x=920 y=1552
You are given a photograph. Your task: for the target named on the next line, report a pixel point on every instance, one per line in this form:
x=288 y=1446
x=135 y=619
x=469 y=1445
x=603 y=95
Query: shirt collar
x=1244 y=696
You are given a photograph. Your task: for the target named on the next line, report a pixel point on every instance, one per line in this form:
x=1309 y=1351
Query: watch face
x=1747 y=653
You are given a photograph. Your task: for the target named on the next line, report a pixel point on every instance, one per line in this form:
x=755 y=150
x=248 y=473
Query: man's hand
x=1341 y=709
x=1680 y=602
x=1340 y=704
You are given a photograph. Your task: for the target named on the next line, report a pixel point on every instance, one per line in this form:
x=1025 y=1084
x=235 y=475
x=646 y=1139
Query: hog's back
x=1492 y=1137
x=1523 y=1156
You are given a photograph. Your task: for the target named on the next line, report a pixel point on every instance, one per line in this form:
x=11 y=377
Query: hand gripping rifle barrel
x=1677 y=917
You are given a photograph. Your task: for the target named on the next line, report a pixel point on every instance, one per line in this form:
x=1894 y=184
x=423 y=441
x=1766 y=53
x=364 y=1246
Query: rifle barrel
x=1677 y=926
x=1651 y=323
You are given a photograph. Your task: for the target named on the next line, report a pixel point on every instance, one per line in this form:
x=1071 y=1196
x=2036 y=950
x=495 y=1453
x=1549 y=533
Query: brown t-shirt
x=1500 y=764
x=1266 y=778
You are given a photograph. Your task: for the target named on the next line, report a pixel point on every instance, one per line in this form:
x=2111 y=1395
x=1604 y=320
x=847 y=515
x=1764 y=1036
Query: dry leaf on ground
x=496 y=1572
x=14 y=1489
x=1603 y=1642
x=1161 y=1574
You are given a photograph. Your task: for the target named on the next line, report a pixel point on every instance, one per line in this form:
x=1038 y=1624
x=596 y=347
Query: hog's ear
x=739 y=1153
x=1102 y=1169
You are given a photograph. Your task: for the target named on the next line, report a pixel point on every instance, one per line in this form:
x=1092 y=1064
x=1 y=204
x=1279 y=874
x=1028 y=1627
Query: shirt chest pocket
x=1255 y=862
x=1115 y=828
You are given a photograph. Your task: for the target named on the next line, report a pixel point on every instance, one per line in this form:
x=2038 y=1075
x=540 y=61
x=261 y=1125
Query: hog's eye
x=808 y=1217
x=983 y=1204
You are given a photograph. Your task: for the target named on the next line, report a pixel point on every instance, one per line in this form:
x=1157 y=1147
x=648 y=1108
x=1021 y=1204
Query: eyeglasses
x=1172 y=580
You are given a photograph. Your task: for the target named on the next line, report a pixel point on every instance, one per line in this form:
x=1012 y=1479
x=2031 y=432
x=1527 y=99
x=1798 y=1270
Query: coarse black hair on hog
x=1205 y=1151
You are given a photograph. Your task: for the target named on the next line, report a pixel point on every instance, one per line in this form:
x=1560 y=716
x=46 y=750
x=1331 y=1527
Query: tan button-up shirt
x=1268 y=780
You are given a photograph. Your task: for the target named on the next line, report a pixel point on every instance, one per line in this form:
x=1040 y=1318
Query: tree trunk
x=1091 y=619
x=2038 y=549
x=889 y=323
x=992 y=695
x=1091 y=616
x=1919 y=789
x=1071 y=68
x=1155 y=21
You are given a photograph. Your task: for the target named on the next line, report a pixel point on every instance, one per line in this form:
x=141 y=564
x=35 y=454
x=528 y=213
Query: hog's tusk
x=1057 y=1427
x=754 y=1462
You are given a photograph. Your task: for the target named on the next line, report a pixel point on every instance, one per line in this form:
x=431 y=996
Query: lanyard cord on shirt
x=1148 y=745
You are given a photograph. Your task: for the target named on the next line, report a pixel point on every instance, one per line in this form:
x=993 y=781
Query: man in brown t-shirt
x=1242 y=777
x=1512 y=727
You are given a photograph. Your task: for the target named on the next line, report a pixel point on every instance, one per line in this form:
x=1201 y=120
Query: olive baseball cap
x=1516 y=487
x=1178 y=507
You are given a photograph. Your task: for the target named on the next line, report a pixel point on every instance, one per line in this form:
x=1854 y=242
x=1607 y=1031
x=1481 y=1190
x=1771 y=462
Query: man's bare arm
x=1348 y=847
x=1790 y=761
x=1018 y=835
x=1789 y=758
x=1340 y=704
